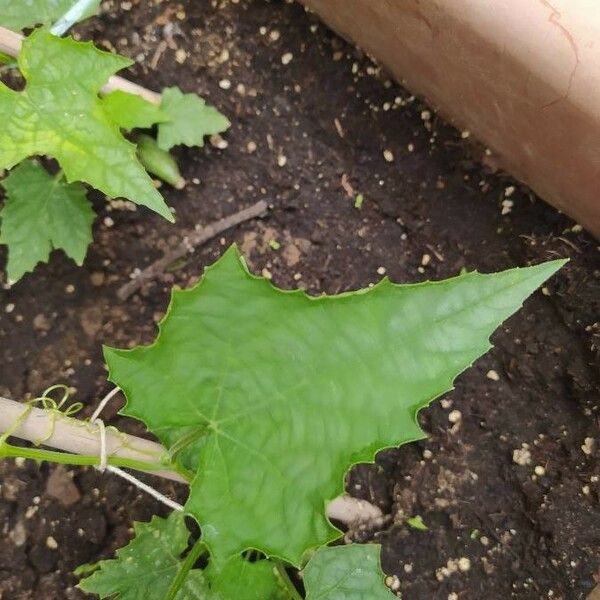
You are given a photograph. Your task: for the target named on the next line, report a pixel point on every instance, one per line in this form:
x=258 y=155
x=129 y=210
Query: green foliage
x=191 y=119
x=417 y=522
x=18 y=14
x=131 y=111
x=278 y=393
x=60 y=114
x=240 y=579
x=42 y=213
x=346 y=573
x=146 y=568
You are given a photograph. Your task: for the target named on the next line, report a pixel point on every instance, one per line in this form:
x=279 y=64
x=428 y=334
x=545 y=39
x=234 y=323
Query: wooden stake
x=79 y=437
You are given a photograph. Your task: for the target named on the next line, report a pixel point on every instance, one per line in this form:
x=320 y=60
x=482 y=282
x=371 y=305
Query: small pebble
x=70 y=288
x=522 y=456
x=588 y=446
x=51 y=543
x=281 y=160
x=388 y=155
x=539 y=471
x=381 y=270
x=464 y=564
x=392 y=582
x=455 y=416
x=425 y=259
x=286 y=58
x=225 y=84
x=507 y=206
x=493 y=375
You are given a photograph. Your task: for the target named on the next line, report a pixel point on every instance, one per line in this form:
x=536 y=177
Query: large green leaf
x=190 y=119
x=282 y=392
x=60 y=114
x=18 y=14
x=346 y=573
x=42 y=213
x=147 y=566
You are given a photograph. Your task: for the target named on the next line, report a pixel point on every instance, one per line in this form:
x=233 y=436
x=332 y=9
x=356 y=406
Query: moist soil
x=308 y=136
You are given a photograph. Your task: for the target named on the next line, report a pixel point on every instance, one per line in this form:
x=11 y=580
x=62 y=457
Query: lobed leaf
x=190 y=120
x=42 y=213
x=60 y=114
x=148 y=565
x=18 y=14
x=278 y=393
x=346 y=573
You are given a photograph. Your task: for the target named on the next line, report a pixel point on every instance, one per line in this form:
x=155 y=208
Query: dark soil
x=527 y=536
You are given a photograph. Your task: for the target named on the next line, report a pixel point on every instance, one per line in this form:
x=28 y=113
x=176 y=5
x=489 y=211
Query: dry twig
x=191 y=240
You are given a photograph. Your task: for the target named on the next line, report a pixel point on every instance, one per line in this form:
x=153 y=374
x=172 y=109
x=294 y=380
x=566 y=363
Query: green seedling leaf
x=346 y=573
x=147 y=566
x=358 y=202
x=42 y=213
x=191 y=119
x=131 y=111
x=60 y=114
x=417 y=523
x=18 y=14
x=159 y=162
x=280 y=393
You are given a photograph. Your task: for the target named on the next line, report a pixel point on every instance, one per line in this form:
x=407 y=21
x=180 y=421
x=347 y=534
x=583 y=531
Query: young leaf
x=147 y=566
x=59 y=114
x=281 y=393
x=159 y=162
x=42 y=213
x=18 y=14
x=346 y=573
x=130 y=111
x=190 y=120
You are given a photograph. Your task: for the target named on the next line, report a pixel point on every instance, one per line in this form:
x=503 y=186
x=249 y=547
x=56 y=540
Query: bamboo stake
x=11 y=42
x=79 y=437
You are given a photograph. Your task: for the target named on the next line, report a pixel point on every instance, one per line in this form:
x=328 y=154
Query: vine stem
x=8 y=451
x=77 y=437
x=289 y=584
x=190 y=560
